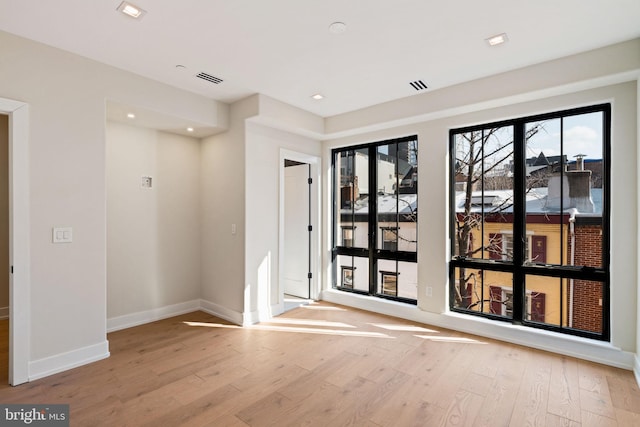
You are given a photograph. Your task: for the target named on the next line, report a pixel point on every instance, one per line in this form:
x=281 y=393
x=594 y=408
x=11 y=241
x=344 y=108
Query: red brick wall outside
x=587 y=295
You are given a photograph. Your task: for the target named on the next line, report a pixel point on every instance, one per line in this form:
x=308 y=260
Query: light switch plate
x=62 y=234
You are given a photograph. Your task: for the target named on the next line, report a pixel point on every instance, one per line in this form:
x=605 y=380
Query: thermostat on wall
x=147 y=182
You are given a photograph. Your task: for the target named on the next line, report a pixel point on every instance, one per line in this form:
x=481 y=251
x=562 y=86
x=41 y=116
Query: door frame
x=19 y=257
x=315 y=194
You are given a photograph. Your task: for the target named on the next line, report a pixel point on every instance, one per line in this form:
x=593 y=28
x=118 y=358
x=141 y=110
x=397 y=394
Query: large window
x=375 y=211
x=530 y=221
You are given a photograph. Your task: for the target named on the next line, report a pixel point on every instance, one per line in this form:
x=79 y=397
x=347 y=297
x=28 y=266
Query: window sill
x=583 y=348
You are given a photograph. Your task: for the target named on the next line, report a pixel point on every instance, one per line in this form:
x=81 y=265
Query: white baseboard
x=64 y=361
x=4 y=313
x=61 y=362
x=222 y=312
x=277 y=309
x=142 y=317
x=243 y=319
x=636 y=369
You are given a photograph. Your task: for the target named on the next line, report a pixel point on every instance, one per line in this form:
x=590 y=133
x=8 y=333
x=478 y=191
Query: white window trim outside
x=504 y=297
x=505 y=248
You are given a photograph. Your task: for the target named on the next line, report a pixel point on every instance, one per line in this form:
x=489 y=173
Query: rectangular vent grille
x=209 y=78
x=418 y=85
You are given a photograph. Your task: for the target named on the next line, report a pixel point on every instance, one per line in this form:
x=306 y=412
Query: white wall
x=240 y=186
x=262 y=200
x=153 y=234
x=555 y=90
x=66 y=97
x=222 y=189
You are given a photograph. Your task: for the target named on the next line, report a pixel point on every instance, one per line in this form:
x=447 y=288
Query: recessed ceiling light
x=497 y=39
x=337 y=28
x=189 y=129
x=318 y=96
x=131 y=116
x=131 y=10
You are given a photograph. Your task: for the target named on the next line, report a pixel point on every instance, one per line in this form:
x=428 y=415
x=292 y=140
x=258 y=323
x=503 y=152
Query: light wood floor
x=327 y=365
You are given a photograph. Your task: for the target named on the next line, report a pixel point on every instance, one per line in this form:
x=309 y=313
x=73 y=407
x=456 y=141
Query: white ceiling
x=283 y=48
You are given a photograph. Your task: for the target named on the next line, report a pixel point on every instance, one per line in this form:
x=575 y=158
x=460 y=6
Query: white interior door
x=19 y=281
x=296 y=232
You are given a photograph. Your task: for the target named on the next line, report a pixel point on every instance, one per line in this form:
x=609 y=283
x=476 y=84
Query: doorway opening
x=299 y=228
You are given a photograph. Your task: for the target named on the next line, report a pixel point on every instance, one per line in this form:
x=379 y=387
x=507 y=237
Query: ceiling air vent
x=418 y=85
x=209 y=78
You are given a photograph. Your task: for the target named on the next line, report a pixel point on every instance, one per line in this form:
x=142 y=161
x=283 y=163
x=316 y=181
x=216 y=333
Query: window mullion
x=373 y=219
x=562 y=237
x=519 y=219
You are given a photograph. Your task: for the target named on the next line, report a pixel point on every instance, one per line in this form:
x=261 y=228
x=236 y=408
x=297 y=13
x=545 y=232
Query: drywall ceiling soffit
x=283 y=48
x=146 y=118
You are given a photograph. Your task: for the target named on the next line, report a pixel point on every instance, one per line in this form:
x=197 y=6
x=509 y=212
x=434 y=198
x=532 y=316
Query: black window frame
x=519 y=268
x=372 y=252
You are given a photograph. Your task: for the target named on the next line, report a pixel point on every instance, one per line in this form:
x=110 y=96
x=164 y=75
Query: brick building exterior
x=586 y=309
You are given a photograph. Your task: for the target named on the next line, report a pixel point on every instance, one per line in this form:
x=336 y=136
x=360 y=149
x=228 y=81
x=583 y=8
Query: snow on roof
x=502 y=201
x=387 y=203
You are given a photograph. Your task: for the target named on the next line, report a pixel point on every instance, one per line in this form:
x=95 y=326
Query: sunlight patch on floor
x=308 y=322
x=403 y=328
x=303 y=330
x=460 y=340
x=320 y=331
x=212 y=325
x=322 y=307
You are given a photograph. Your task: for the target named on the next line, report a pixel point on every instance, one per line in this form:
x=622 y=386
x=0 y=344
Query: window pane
x=583 y=142
x=397 y=173
x=347 y=236
x=564 y=189
x=353 y=272
x=484 y=291
x=387 y=277
x=484 y=192
x=546 y=300
x=544 y=165
x=389 y=238
x=352 y=179
x=408 y=280
x=569 y=303
x=585 y=242
x=586 y=309
x=389 y=284
x=397 y=278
